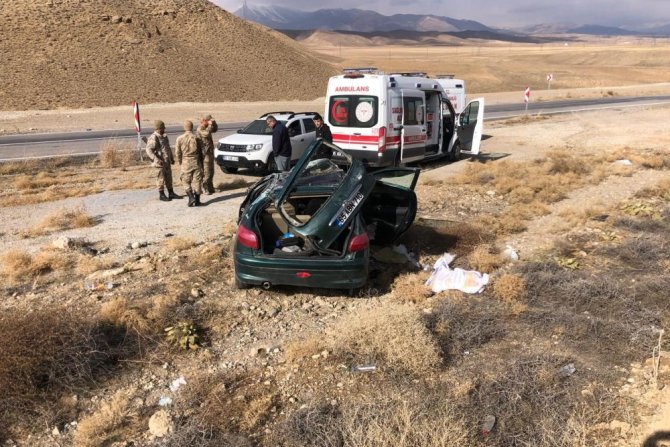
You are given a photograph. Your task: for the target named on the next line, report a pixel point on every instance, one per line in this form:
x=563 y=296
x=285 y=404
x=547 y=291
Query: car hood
x=240 y=138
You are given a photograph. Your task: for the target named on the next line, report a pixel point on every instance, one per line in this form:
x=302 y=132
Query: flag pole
x=138 y=128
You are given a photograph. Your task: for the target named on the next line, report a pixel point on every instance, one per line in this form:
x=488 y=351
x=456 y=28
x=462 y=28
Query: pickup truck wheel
x=226 y=170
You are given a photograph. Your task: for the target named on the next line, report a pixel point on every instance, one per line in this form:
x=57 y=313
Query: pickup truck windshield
x=258 y=127
x=353 y=111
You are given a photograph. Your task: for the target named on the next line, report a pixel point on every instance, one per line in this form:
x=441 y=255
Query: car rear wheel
x=227 y=170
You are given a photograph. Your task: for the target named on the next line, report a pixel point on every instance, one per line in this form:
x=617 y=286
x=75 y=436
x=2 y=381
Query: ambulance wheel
x=226 y=170
x=455 y=153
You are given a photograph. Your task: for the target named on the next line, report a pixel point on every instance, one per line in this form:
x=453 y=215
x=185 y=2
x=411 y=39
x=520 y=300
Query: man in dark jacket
x=323 y=132
x=322 y=129
x=281 y=144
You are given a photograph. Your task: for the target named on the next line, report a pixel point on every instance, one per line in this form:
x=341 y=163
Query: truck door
x=413 y=135
x=471 y=125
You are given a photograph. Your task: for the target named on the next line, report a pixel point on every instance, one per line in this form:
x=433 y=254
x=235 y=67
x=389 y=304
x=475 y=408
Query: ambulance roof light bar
x=361 y=70
x=412 y=74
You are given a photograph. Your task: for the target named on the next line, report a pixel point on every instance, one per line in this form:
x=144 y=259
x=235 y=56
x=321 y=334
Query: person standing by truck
x=281 y=144
x=189 y=156
x=159 y=152
x=207 y=127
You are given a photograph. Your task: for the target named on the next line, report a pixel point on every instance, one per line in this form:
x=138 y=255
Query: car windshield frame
x=254 y=127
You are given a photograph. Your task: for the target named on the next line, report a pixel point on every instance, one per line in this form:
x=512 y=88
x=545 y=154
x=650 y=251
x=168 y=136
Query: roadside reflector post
x=550 y=77
x=526 y=97
x=138 y=128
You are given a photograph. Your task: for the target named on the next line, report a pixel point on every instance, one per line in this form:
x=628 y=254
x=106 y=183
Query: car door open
x=471 y=125
x=391 y=207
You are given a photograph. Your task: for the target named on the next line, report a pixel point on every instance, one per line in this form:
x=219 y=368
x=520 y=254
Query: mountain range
x=366 y=21
x=283 y=18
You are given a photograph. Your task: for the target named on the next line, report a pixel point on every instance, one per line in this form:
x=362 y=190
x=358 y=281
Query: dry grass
x=410 y=287
x=393 y=336
x=49 y=195
x=392 y=416
x=659 y=191
x=51 y=351
x=106 y=423
x=19 y=265
x=121 y=313
x=647 y=158
x=485 y=258
x=177 y=244
x=511 y=289
x=66 y=219
x=303 y=348
x=118 y=153
x=85 y=265
x=529 y=187
x=41 y=165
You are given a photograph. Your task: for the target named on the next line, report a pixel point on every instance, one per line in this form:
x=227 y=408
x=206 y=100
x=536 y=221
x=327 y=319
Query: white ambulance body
x=389 y=120
x=455 y=91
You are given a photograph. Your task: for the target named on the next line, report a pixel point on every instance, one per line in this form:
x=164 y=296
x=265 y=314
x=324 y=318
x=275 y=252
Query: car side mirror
x=463 y=120
x=239 y=130
x=291 y=133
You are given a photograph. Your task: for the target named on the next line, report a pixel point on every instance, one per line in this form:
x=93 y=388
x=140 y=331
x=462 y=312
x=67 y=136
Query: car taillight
x=382 y=140
x=359 y=243
x=247 y=237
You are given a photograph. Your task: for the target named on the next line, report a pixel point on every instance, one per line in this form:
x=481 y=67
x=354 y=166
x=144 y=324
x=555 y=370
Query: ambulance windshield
x=353 y=111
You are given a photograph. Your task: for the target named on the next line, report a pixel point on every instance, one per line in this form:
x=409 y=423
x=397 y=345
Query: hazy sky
x=503 y=12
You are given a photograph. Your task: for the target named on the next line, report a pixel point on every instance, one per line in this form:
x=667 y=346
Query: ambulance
x=398 y=118
x=454 y=89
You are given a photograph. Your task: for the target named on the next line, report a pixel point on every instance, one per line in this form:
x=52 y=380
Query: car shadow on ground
x=224 y=198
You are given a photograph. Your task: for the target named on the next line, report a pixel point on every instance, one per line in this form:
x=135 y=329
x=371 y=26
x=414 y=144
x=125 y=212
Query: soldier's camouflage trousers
x=164 y=177
x=192 y=179
x=208 y=171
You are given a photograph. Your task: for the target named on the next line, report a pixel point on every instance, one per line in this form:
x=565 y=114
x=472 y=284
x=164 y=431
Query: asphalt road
x=31 y=146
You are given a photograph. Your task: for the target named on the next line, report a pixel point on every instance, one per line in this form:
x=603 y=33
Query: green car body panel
x=352 y=200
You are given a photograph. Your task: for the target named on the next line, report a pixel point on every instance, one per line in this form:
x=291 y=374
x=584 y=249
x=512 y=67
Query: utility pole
x=244 y=10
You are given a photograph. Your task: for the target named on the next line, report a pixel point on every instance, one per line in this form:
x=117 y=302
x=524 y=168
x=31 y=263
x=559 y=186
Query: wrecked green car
x=313 y=226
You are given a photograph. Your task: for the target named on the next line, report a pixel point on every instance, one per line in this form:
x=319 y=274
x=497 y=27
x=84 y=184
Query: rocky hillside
x=83 y=53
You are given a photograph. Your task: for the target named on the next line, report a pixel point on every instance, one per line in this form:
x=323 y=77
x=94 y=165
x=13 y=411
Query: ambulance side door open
x=413 y=134
x=471 y=125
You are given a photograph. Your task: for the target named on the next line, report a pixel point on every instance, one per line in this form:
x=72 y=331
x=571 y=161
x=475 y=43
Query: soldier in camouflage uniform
x=207 y=127
x=160 y=154
x=189 y=157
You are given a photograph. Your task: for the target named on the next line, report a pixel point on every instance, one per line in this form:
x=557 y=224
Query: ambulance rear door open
x=471 y=125
x=414 y=133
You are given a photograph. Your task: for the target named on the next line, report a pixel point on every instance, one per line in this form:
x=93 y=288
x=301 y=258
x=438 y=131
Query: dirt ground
x=275 y=366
